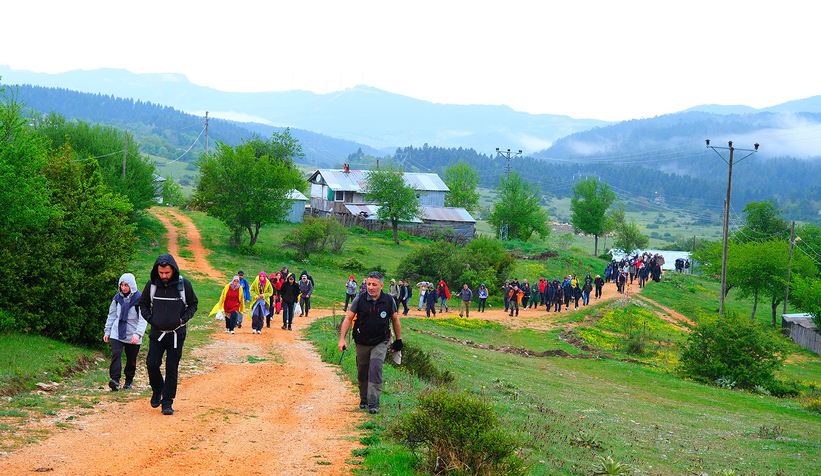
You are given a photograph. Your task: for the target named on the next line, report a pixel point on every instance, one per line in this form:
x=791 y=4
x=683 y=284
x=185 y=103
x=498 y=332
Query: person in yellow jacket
x=261 y=292
x=232 y=303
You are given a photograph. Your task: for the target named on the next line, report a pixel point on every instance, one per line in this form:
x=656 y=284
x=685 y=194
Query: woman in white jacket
x=124 y=330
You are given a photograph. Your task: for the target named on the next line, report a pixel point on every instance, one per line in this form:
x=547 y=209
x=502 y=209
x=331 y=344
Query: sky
x=595 y=59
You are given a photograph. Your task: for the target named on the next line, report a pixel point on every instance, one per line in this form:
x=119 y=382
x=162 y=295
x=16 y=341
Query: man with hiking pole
x=369 y=318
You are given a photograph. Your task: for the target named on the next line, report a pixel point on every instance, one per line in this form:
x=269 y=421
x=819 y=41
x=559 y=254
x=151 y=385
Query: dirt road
x=256 y=405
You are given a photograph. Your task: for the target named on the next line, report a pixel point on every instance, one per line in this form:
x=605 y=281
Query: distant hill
x=362 y=114
x=166 y=132
x=810 y=104
x=786 y=169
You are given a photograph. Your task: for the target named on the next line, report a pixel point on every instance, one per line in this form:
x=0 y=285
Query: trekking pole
x=344 y=348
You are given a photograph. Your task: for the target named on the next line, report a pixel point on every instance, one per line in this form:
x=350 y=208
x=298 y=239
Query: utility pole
x=727 y=213
x=125 y=151
x=692 y=270
x=507 y=155
x=206 y=132
x=789 y=265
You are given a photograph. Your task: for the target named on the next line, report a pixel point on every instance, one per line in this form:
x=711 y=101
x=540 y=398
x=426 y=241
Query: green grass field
x=641 y=413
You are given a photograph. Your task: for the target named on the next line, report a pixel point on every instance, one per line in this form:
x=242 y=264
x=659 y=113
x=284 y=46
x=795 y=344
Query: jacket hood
x=130 y=280
x=168 y=259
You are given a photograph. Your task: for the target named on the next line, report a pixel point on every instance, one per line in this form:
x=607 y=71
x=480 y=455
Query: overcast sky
x=605 y=60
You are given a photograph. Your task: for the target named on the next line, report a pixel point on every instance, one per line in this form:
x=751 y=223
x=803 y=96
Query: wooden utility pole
x=206 y=132
x=789 y=265
x=727 y=214
x=691 y=255
x=726 y=234
x=125 y=151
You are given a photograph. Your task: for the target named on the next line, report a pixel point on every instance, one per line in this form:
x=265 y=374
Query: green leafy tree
x=246 y=191
x=106 y=143
x=517 y=207
x=172 y=193
x=628 y=235
x=462 y=180
x=733 y=348
x=589 y=205
x=762 y=222
x=805 y=294
x=396 y=199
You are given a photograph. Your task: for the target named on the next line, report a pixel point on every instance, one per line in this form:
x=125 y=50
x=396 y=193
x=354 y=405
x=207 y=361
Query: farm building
x=802 y=330
x=341 y=193
x=298 y=207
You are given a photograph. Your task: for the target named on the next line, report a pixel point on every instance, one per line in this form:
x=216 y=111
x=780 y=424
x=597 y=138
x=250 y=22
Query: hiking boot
x=363 y=406
x=289 y=327
x=113 y=385
x=167 y=410
x=284 y=326
x=128 y=385
x=155 y=400
x=373 y=410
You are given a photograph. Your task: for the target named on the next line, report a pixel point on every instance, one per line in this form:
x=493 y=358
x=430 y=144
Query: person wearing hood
x=598 y=283
x=289 y=293
x=310 y=278
x=444 y=294
x=168 y=302
x=232 y=304
x=350 y=292
x=261 y=292
x=246 y=295
x=306 y=290
x=124 y=330
x=393 y=290
x=482 y=297
x=430 y=299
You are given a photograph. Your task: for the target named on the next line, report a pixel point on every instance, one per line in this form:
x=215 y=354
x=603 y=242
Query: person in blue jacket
x=246 y=293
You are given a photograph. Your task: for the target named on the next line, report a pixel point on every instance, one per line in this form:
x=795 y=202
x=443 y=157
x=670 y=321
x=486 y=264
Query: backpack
x=180 y=288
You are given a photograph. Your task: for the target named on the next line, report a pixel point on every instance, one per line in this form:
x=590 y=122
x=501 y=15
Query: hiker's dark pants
x=231 y=320
x=598 y=292
x=482 y=303
x=287 y=313
x=131 y=351
x=349 y=298
x=166 y=388
x=369 y=360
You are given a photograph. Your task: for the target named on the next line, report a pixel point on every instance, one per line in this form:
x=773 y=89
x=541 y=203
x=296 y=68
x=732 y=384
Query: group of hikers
x=639 y=267
x=551 y=294
x=168 y=302
x=267 y=295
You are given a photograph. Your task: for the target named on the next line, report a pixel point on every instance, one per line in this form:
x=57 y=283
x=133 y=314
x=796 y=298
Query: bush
x=316 y=234
x=420 y=363
x=734 y=349
x=247 y=250
x=483 y=260
x=352 y=264
x=459 y=434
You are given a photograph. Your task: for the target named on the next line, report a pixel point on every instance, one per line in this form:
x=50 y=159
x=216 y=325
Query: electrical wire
x=98 y=157
x=187 y=150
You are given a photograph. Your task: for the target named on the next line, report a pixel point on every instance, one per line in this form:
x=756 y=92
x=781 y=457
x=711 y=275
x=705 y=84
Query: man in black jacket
x=369 y=318
x=168 y=302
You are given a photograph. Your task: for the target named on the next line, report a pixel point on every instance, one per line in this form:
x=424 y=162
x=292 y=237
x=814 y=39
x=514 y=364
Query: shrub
x=420 y=363
x=316 y=234
x=352 y=264
x=247 y=250
x=735 y=349
x=812 y=404
x=458 y=434
x=606 y=466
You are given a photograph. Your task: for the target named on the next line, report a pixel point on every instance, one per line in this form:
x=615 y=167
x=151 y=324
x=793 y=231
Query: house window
x=338 y=196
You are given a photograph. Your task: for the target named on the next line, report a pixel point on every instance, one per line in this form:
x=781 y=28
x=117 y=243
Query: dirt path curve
x=674 y=317
x=198 y=264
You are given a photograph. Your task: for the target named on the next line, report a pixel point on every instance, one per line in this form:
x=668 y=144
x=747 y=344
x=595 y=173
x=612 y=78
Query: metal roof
x=803 y=320
x=355 y=180
x=296 y=195
x=447 y=214
x=369 y=211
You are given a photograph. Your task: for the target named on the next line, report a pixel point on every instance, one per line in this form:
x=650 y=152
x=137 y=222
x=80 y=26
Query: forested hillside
x=639 y=184
x=786 y=169
x=166 y=132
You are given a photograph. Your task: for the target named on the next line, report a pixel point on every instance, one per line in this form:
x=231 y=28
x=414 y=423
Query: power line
x=187 y=150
